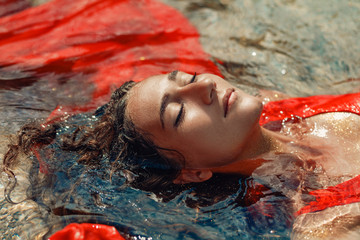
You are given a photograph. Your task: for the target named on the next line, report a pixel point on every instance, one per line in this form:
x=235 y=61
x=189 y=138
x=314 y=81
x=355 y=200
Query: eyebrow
x=172 y=75
x=166 y=98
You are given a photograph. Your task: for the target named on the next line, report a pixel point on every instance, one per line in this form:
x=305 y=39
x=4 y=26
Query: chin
x=255 y=112
x=255 y=106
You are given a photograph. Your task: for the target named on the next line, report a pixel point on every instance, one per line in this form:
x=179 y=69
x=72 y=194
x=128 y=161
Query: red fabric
x=107 y=42
x=87 y=231
x=113 y=41
x=341 y=194
x=310 y=106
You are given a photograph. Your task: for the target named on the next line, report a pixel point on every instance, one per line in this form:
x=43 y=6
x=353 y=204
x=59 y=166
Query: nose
x=202 y=89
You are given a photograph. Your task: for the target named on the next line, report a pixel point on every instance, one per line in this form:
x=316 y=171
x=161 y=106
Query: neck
x=262 y=141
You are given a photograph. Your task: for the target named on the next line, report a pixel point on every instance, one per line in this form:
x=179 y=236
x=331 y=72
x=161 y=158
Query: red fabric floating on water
x=113 y=41
x=106 y=42
x=341 y=194
x=310 y=106
x=87 y=231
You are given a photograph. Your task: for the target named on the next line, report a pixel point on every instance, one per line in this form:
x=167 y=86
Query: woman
x=180 y=128
x=197 y=116
x=214 y=128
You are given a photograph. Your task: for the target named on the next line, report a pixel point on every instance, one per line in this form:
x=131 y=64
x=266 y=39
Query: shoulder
x=343 y=124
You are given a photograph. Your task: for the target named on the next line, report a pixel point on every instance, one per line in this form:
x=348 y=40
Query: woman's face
x=204 y=118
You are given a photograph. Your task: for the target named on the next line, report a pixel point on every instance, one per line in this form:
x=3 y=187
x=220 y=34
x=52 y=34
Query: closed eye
x=193 y=78
x=180 y=116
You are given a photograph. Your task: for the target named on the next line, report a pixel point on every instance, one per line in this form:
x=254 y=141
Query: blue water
x=297 y=47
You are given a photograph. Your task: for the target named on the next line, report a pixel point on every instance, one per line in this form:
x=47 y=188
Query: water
x=297 y=47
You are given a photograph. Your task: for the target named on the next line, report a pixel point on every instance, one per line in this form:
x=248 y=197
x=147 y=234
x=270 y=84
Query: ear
x=193 y=175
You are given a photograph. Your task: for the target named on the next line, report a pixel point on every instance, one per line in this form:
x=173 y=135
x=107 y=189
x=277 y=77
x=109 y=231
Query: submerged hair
x=128 y=150
x=114 y=136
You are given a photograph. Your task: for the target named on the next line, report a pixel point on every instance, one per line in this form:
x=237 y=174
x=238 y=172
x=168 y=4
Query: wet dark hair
x=129 y=149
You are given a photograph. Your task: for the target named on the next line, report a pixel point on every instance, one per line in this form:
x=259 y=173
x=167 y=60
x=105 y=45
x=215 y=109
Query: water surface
x=297 y=47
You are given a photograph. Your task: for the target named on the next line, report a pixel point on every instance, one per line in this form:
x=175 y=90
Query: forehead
x=144 y=102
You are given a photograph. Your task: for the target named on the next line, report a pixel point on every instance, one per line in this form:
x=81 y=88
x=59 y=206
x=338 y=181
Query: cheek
x=205 y=139
x=198 y=127
x=207 y=145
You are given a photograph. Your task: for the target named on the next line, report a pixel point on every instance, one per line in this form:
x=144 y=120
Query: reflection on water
x=298 y=47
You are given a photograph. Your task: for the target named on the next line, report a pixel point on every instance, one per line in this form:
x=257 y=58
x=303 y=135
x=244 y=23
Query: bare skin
x=325 y=146
x=237 y=139
x=338 y=134
x=334 y=135
x=193 y=115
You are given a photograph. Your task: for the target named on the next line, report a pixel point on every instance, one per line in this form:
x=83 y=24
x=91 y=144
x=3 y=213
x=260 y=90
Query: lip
x=228 y=100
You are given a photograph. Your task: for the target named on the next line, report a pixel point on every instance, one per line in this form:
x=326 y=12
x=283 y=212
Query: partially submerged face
x=204 y=118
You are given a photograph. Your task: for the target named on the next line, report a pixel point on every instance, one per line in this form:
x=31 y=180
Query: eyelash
x=180 y=116
x=193 y=78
